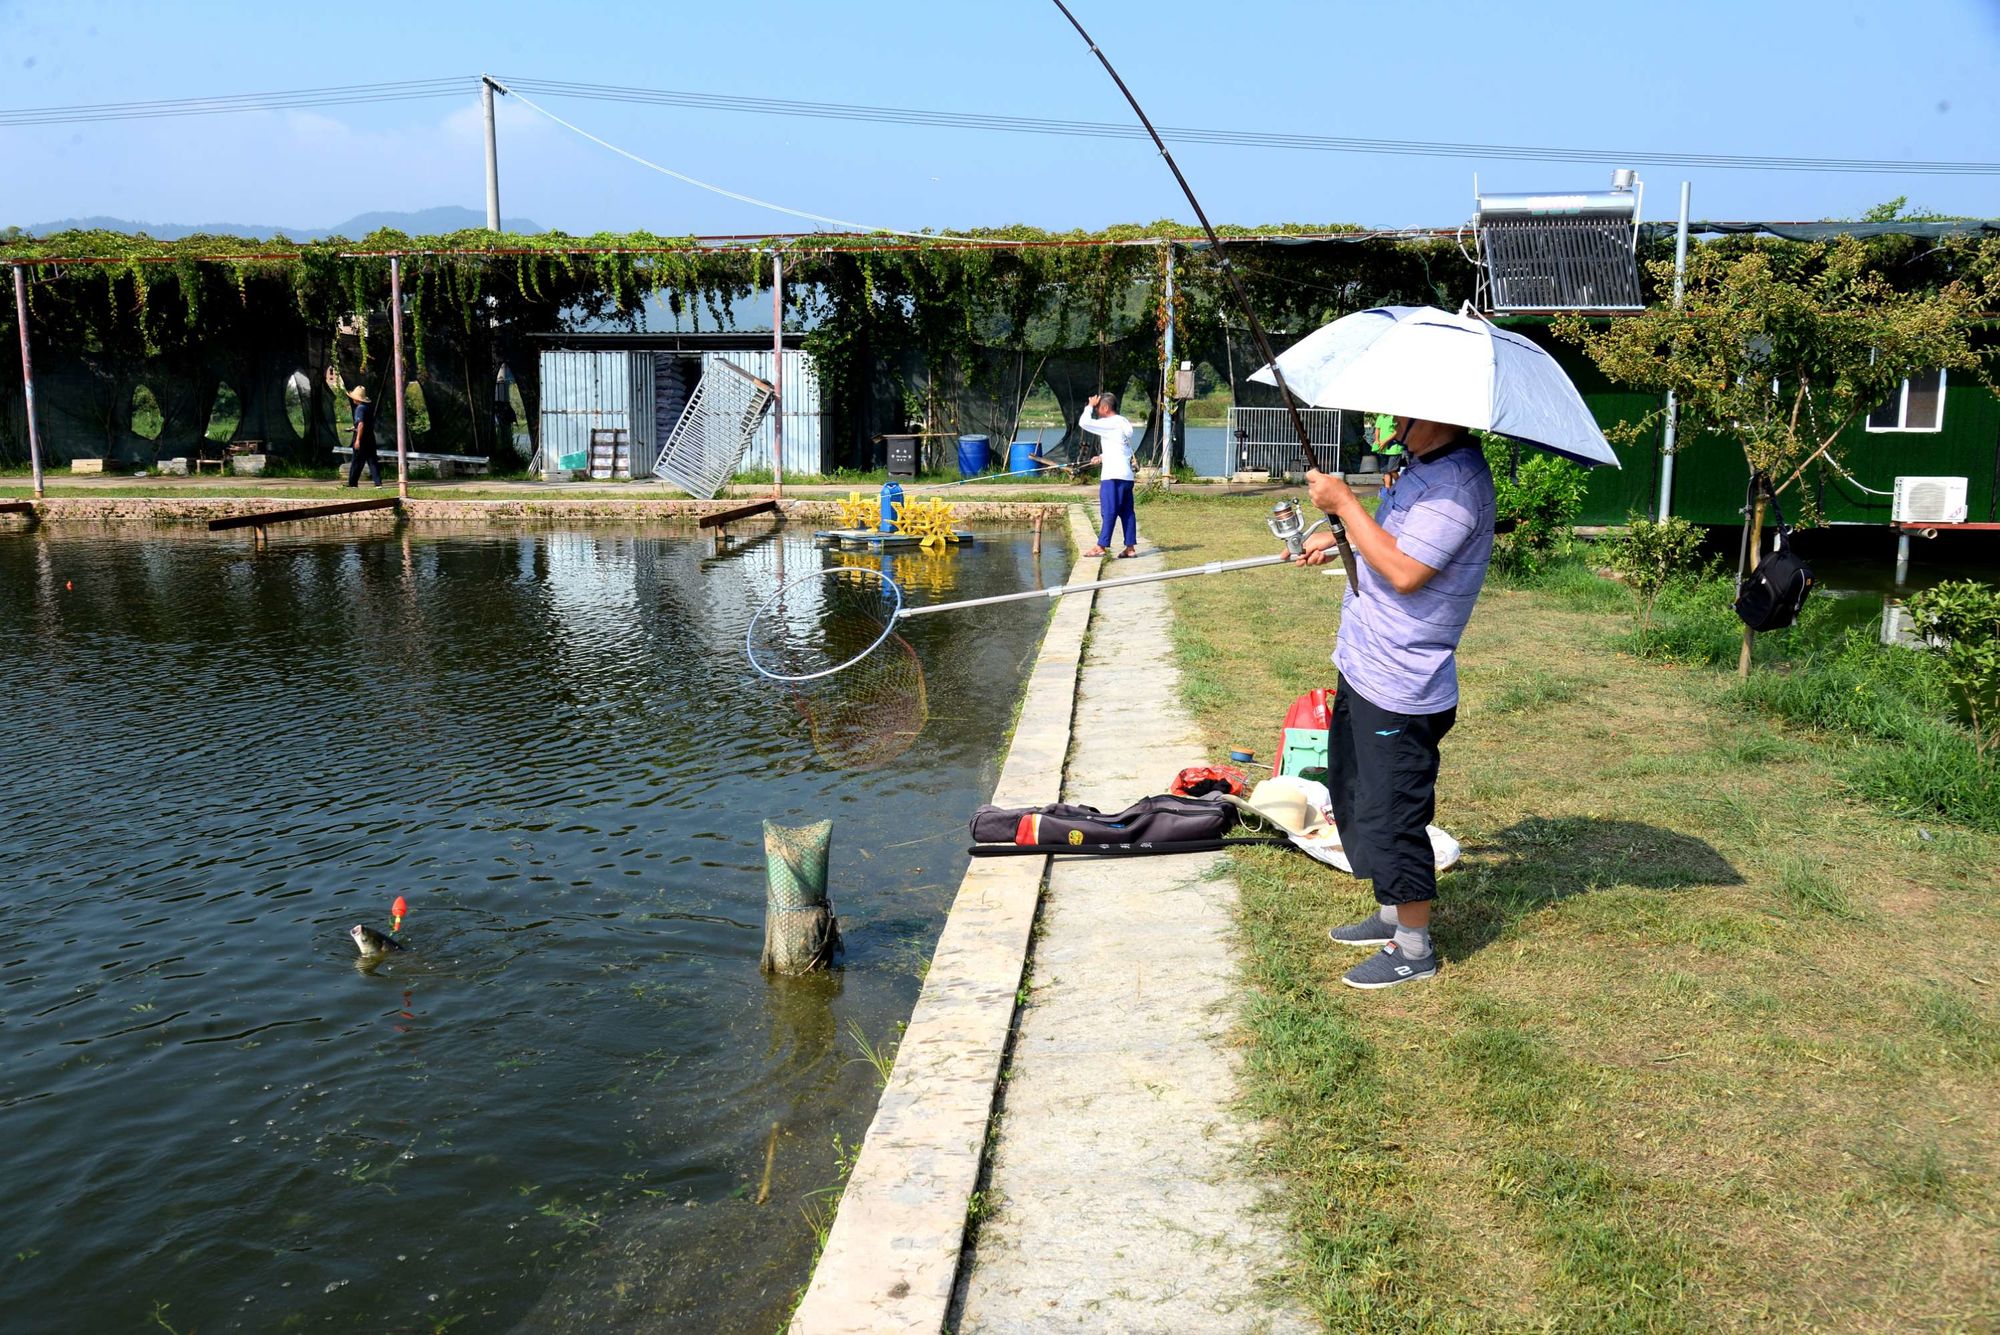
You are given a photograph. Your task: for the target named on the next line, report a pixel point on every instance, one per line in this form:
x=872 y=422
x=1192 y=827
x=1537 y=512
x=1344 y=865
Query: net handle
x=1184 y=572
x=819 y=577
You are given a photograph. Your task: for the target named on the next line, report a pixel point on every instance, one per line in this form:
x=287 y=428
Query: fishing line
x=1228 y=268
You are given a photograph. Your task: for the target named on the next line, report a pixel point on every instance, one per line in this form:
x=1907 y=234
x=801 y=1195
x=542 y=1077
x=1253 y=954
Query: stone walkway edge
x=891 y=1258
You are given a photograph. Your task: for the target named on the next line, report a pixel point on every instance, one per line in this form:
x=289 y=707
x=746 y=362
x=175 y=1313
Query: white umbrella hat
x=1418 y=361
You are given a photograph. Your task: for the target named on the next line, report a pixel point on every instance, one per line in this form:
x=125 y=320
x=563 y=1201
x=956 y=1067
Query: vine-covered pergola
x=961 y=326
x=951 y=322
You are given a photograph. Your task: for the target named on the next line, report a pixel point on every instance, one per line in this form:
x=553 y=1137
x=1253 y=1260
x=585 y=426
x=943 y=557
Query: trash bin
x=973 y=455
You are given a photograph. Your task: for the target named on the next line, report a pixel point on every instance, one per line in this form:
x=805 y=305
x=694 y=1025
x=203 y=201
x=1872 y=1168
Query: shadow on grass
x=1541 y=861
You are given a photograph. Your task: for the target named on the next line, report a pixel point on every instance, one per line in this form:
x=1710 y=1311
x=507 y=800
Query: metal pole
x=777 y=374
x=1902 y=558
x=1673 y=408
x=402 y=395
x=486 y=87
x=1167 y=401
x=1184 y=572
x=27 y=375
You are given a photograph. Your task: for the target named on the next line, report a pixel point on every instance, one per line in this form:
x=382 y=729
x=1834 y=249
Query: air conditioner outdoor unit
x=1928 y=500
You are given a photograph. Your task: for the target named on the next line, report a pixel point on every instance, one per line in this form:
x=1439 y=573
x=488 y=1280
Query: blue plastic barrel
x=1021 y=456
x=973 y=456
x=892 y=496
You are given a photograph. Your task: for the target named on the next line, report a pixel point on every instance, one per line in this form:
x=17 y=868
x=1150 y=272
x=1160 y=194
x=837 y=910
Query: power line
x=704 y=185
x=1233 y=138
x=225 y=104
x=427 y=89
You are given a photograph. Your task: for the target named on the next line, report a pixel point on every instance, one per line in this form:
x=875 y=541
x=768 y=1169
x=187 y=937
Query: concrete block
x=172 y=468
x=86 y=465
x=247 y=465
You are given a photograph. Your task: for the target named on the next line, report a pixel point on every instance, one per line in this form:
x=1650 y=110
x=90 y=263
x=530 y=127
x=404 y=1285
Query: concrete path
x=1124 y=1202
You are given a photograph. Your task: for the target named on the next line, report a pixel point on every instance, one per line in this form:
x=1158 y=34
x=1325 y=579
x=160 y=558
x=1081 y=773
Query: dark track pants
x=1114 y=501
x=368 y=455
x=1382 y=775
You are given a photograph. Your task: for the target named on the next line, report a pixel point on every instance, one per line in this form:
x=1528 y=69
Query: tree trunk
x=1756 y=547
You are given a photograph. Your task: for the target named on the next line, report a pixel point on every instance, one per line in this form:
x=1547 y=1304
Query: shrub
x=1960 y=623
x=1654 y=554
x=1542 y=500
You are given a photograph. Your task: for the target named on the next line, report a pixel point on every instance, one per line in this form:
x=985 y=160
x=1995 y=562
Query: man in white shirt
x=1114 y=490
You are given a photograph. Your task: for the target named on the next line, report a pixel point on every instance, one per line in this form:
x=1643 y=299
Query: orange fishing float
x=397 y=912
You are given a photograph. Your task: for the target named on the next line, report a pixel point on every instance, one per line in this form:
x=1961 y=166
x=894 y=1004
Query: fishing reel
x=1287 y=524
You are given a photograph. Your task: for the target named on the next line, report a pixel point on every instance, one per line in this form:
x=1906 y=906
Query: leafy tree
x=1781 y=349
x=1652 y=555
x=1960 y=622
x=1540 y=496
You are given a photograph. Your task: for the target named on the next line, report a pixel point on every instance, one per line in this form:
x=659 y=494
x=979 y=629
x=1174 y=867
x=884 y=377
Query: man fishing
x=1424 y=554
x=1114 y=489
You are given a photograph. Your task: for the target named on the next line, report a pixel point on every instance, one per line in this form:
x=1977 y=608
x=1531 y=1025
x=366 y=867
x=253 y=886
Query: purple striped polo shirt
x=1400 y=650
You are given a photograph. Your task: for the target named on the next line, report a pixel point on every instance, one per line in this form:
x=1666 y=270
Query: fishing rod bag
x=1165 y=818
x=1772 y=595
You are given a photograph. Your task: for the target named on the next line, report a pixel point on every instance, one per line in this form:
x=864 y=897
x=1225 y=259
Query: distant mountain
x=419 y=222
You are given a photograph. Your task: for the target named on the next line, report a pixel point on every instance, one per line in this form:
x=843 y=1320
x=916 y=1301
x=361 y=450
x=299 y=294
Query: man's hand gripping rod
x=1236 y=287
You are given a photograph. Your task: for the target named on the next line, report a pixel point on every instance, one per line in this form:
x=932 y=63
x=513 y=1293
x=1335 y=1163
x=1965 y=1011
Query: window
x=1917 y=406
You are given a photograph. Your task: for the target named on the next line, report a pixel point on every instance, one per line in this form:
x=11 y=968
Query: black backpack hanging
x=1771 y=596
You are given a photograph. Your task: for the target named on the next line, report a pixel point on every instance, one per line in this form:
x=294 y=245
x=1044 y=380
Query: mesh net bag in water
x=800 y=932
x=871 y=714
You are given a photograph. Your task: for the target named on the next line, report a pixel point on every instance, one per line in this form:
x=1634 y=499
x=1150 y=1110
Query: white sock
x=1413 y=942
x=1389 y=917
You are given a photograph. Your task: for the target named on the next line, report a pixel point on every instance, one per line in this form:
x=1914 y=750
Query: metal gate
x=1262 y=440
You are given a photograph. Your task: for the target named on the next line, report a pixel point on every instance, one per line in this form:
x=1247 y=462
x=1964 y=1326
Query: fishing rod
x=1338 y=529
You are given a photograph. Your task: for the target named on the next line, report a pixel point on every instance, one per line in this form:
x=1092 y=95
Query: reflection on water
x=551 y=1113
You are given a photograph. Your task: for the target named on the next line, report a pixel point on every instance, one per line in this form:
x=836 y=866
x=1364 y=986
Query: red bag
x=1200 y=780
x=1304 y=738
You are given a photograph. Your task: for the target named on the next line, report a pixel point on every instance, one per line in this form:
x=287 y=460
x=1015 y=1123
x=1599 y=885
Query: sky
x=1768 y=77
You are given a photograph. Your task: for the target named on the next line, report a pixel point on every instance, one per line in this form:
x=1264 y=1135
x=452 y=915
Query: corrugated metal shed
x=586 y=391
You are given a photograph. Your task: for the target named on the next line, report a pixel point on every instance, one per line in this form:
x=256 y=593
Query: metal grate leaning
x=709 y=442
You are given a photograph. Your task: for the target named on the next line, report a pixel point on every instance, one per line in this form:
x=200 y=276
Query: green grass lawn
x=1717 y=1042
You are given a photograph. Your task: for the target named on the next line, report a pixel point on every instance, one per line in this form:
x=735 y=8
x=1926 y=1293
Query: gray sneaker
x=1370 y=931
x=1388 y=967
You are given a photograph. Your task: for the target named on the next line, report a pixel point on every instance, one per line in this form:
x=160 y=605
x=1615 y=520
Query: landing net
x=831 y=638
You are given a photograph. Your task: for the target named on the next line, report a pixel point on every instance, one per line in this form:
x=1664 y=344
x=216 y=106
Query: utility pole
x=1673 y=408
x=487 y=87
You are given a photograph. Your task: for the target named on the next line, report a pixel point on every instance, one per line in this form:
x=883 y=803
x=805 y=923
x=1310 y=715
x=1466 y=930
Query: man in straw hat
x=1423 y=555
x=364 y=434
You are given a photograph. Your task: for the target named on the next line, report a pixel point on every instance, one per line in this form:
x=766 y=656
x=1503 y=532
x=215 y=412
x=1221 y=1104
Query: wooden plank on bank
x=17 y=507
x=267 y=517
x=721 y=517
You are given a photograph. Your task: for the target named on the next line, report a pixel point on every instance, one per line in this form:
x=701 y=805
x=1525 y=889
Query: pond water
x=554 y=1112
